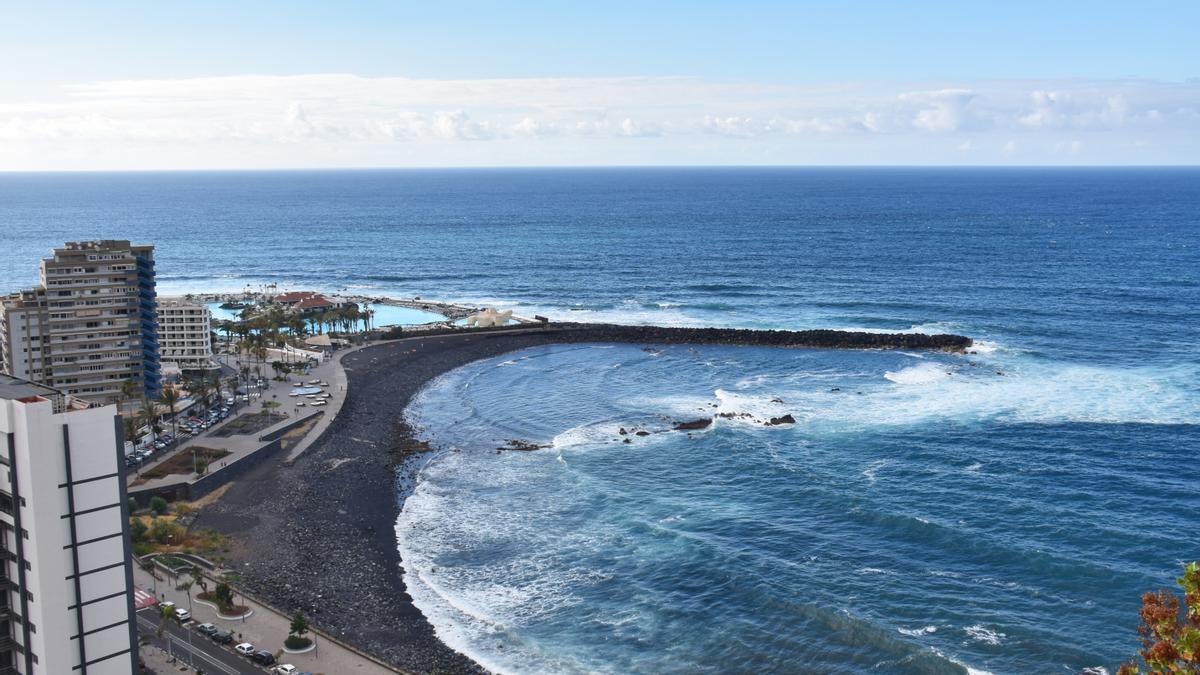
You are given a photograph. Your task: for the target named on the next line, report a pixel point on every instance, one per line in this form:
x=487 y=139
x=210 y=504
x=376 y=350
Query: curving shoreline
x=319 y=535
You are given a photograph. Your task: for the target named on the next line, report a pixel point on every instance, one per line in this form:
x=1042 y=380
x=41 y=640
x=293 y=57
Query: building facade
x=185 y=336
x=90 y=325
x=67 y=575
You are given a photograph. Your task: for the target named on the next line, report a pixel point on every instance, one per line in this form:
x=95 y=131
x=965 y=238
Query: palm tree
x=296 y=325
x=129 y=389
x=148 y=415
x=201 y=390
x=147 y=565
x=169 y=397
x=232 y=383
x=129 y=424
x=187 y=588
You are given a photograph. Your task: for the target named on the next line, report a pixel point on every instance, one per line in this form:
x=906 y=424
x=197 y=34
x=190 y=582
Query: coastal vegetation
x=164 y=530
x=1170 y=629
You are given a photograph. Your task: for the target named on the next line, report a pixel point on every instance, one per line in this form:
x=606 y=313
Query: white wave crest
x=985 y=635
x=924 y=373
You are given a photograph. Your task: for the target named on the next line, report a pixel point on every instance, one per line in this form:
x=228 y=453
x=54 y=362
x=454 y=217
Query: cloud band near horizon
x=311 y=121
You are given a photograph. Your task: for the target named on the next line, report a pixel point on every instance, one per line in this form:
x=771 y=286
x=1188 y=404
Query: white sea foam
x=873 y=469
x=974 y=468
x=933 y=328
x=924 y=373
x=984 y=635
x=917 y=632
x=1025 y=393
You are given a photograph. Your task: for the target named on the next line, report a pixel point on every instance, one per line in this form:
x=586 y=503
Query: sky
x=246 y=85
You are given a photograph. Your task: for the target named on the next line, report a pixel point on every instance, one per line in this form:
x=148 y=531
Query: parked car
x=284 y=669
x=182 y=615
x=222 y=637
x=263 y=657
x=207 y=628
x=244 y=649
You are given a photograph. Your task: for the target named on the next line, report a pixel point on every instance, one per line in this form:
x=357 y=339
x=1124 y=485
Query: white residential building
x=68 y=581
x=185 y=335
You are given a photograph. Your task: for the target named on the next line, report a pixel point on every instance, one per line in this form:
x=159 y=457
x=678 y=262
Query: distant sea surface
x=1000 y=511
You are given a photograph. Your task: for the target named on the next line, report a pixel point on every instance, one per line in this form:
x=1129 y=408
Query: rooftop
x=14 y=388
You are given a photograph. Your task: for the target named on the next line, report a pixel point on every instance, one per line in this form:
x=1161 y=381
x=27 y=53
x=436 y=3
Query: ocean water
x=1000 y=511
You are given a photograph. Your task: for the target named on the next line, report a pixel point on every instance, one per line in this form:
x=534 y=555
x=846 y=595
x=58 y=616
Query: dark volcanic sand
x=319 y=535
x=322 y=539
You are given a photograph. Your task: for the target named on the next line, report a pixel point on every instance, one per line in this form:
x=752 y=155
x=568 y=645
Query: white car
x=182 y=615
x=284 y=669
x=244 y=649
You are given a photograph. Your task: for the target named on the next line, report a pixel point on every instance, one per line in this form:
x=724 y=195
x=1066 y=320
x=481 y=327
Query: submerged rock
x=694 y=424
x=524 y=446
x=786 y=419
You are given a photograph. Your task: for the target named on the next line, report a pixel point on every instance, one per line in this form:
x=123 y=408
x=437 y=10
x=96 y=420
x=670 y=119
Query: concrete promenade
x=265 y=629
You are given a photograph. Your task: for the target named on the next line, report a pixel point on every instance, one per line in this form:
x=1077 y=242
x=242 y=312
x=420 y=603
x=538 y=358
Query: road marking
x=175 y=639
x=199 y=652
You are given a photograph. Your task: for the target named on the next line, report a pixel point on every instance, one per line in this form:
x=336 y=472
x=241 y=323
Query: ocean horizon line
x=611 y=167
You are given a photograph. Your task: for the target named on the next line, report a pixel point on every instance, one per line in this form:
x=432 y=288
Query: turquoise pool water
x=385 y=315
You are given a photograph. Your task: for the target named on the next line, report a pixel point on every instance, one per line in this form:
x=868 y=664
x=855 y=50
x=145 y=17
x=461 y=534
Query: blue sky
x=264 y=84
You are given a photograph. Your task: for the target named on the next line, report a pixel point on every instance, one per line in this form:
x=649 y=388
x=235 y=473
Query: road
x=199 y=651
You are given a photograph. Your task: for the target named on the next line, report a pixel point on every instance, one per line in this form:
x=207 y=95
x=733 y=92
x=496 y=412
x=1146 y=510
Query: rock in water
x=694 y=424
x=786 y=419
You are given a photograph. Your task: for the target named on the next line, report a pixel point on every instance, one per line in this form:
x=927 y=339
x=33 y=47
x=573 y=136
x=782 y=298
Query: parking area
x=207 y=639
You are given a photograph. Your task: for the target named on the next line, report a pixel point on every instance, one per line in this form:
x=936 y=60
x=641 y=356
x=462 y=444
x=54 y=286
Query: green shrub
x=158 y=505
x=297 y=642
x=137 y=531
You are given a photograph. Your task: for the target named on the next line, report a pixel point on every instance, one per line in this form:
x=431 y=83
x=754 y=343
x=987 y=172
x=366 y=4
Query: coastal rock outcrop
x=702 y=423
x=786 y=419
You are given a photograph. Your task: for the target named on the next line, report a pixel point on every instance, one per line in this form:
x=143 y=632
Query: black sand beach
x=318 y=536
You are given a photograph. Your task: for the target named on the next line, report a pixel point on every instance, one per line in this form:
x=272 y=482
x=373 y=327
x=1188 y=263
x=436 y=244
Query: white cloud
x=311 y=120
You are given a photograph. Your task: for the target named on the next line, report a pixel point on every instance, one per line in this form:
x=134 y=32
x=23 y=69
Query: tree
x=201 y=389
x=129 y=390
x=147 y=565
x=299 y=625
x=158 y=505
x=148 y=415
x=165 y=614
x=223 y=595
x=170 y=398
x=129 y=424
x=137 y=530
x=199 y=579
x=1171 y=634
x=186 y=587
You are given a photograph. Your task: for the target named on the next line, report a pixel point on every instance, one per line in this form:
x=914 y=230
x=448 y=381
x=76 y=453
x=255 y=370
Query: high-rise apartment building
x=65 y=565
x=185 y=335
x=90 y=325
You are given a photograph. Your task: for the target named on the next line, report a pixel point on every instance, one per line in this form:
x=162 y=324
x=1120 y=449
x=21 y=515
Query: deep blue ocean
x=1000 y=511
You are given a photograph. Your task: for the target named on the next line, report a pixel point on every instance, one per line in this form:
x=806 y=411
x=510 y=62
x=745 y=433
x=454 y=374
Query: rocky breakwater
x=820 y=339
